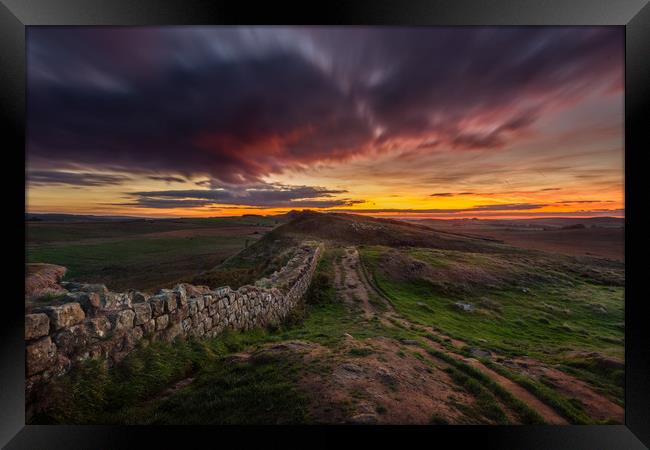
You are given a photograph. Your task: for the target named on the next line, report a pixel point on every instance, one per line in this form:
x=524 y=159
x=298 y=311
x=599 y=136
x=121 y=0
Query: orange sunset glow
x=421 y=123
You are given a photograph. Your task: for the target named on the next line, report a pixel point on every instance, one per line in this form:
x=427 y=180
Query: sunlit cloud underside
x=422 y=122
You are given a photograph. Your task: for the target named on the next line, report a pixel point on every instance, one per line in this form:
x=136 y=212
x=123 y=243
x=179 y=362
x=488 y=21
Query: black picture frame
x=634 y=15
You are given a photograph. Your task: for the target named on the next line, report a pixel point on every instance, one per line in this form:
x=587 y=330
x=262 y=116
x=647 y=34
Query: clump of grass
x=485 y=402
x=438 y=420
x=50 y=297
x=361 y=352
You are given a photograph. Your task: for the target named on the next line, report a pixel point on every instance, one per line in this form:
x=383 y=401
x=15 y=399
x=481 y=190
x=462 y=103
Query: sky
x=487 y=122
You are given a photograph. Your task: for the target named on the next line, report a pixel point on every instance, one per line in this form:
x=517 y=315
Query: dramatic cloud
x=52 y=177
x=479 y=208
x=451 y=194
x=262 y=196
x=168 y=179
x=241 y=104
x=570 y=202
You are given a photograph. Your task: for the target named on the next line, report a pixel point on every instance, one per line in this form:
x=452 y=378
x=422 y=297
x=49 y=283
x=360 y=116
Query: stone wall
x=92 y=322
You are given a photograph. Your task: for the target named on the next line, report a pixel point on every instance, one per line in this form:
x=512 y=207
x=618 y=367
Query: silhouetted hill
x=363 y=230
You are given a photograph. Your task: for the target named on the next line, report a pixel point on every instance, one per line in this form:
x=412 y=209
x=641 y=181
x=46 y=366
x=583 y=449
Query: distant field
x=141 y=255
x=598 y=241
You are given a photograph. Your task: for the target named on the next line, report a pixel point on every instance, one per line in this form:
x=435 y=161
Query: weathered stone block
x=72 y=340
x=98 y=327
x=181 y=294
x=40 y=356
x=162 y=322
x=36 y=326
x=117 y=300
x=139 y=297
x=149 y=327
x=222 y=291
x=186 y=324
x=131 y=338
x=142 y=312
x=122 y=319
x=170 y=304
x=173 y=332
x=184 y=311
x=157 y=303
x=65 y=315
x=90 y=302
x=197 y=331
x=194 y=307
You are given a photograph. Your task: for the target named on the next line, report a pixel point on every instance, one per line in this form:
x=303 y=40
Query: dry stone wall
x=96 y=323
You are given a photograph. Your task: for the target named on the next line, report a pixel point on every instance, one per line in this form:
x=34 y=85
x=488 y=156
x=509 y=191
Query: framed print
x=360 y=219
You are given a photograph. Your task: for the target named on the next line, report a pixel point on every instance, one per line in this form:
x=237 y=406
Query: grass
x=561 y=311
x=486 y=404
x=552 y=318
x=257 y=260
x=525 y=413
x=130 y=255
x=264 y=392
x=138 y=263
x=221 y=393
x=566 y=407
x=361 y=352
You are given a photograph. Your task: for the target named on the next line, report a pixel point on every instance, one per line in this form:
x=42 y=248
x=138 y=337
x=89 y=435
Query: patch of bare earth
x=383 y=386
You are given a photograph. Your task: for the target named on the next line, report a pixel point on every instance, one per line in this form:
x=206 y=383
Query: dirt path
x=549 y=415
x=595 y=404
x=352 y=285
x=356 y=290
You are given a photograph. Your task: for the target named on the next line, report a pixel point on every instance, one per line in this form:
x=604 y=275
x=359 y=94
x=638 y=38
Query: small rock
x=39 y=356
x=122 y=319
x=162 y=322
x=464 y=306
x=351 y=368
x=36 y=326
x=65 y=315
x=142 y=312
x=478 y=353
x=139 y=297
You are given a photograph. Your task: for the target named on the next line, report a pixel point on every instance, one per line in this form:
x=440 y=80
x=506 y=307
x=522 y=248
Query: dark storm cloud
x=239 y=104
x=54 y=177
x=569 y=202
x=262 y=196
x=168 y=179
x=508 y=207
x=451 y=194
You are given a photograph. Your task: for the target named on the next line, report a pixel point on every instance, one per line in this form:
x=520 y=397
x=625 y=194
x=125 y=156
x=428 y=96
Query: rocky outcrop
x=43 y=279
x=96 y=323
